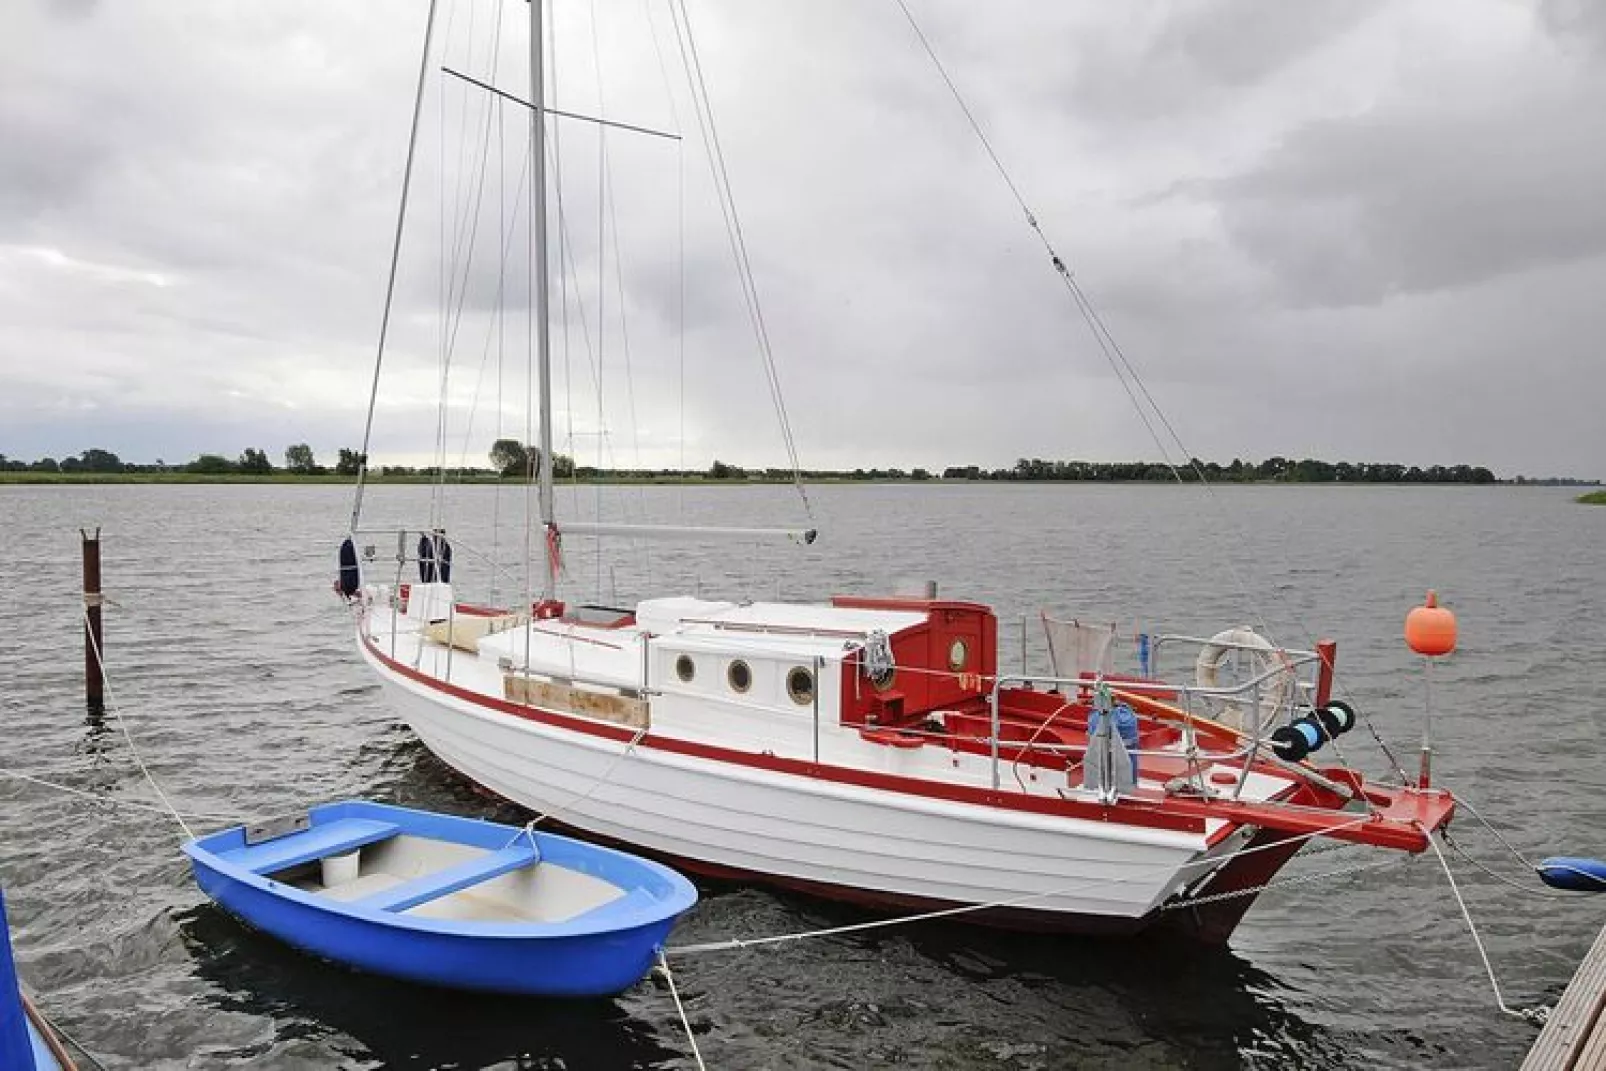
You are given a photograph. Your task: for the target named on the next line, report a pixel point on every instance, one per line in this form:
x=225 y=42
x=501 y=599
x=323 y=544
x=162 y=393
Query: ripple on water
x=236 y=673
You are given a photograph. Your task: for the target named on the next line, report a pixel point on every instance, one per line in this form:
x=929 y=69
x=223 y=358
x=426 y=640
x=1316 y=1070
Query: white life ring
x=1264 y=658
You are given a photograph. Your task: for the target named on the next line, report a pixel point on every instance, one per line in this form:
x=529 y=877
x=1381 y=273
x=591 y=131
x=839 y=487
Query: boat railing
x=1305 y=665
x=1183 y=697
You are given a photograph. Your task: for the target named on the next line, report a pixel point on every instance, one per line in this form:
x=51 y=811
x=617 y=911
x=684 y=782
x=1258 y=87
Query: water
x=232 y=663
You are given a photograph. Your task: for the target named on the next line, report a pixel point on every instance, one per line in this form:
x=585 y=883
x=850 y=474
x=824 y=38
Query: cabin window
x=958 y=655
x=740 y=676
x=800 y=686
x=685 y=668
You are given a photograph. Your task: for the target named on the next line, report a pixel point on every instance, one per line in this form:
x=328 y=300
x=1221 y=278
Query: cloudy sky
x=1341 y=229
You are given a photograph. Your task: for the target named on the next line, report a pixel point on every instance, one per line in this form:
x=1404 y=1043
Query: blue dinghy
x=447 y=901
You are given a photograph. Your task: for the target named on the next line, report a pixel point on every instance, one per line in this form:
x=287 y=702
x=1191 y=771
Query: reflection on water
x=376 y=1022
x=238 y=678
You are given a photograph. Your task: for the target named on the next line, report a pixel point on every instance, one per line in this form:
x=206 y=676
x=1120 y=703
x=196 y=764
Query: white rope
x=663 y=966
x=116 y=801
x=964 y=909
x=1533 y=1015
x=1527 y=890
x=113 y=706
x=602 y=779
x=1462 y=801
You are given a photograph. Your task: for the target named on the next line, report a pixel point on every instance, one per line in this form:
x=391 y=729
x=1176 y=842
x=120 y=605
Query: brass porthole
x=883 y=680
x=958 y=655
x=740 y=676
x=685 y=668
x=800 y=686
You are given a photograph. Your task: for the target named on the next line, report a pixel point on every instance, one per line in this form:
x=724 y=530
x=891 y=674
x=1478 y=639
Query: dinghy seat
x=433 y=886
x=310 y=845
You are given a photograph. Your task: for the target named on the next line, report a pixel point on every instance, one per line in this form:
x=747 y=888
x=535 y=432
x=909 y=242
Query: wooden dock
x=1574 y=1038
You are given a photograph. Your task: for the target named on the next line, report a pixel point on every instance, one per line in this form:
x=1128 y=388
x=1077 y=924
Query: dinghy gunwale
x=669 y=894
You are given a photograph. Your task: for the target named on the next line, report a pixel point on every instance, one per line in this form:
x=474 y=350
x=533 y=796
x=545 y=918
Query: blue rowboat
x=446 y=901
x=26 y=1040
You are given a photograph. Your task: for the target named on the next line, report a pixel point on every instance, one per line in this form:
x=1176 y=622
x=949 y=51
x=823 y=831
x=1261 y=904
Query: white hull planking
x=802 y=828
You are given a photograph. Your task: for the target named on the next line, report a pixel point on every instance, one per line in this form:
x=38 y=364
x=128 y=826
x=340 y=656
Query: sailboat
x=872 y=749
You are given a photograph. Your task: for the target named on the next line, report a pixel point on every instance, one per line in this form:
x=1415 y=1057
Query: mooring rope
x=602 y=779
x=1536 y=1015
x=118 y=801
x=691 y=1038
x=736 y=943
x=116 y=712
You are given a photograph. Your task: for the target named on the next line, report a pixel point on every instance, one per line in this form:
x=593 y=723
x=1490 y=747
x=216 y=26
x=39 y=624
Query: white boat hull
x=806 y=831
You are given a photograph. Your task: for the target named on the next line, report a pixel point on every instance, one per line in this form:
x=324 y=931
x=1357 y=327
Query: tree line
x=511 y=459
x=1271 y=470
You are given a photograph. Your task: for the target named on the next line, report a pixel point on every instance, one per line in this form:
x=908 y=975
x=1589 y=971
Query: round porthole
x=958 y=655
x=800 y=686
x=883 y=680
x=685 y=668
x=740 y=676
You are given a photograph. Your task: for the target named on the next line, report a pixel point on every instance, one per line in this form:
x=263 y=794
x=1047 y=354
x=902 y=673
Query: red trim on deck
x=1127 y=812
x=468 y=609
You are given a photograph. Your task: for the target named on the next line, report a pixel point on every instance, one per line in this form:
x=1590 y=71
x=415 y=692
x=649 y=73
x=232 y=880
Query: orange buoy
x=1430 y=628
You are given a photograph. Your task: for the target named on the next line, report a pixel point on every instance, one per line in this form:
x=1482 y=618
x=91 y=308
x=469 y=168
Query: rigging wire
x=506 y=233
x=494 y=331
x=1126 y=373
x=703 y=107
x=460 y=291
x=395 y=259
x=602 y=279
x=680 y=252
x=608 y=204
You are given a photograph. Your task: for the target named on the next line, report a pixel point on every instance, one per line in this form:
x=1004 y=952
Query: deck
x=1574 y=1038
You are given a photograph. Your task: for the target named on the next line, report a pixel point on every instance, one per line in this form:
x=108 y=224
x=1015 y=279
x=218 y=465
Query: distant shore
x=487 y=480
x=1594 y=498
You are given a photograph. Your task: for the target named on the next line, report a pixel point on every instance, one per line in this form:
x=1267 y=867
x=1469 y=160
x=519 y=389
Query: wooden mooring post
x=1574 y=1037
x=94 y=642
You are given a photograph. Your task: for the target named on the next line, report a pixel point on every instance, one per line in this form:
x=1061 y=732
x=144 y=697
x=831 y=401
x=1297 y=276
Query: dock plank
x=1574 y=1038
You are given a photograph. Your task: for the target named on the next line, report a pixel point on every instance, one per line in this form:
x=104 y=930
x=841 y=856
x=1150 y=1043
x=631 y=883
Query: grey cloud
x=1156 y=61
x=196 y=203
x=1576 y=22
x=1349 y=211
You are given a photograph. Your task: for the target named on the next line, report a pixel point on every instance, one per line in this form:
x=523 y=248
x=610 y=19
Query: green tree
x=97 y=460
x=255 y=462
x=298 y=458
x=349 y=463
x=210 y=465
x=509 y=457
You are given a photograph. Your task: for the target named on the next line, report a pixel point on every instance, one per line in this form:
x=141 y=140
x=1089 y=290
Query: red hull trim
x=1122 y=813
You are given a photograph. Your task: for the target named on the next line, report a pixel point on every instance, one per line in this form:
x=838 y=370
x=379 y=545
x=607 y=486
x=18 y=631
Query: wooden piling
x=1574 y=1038
x=94 y=642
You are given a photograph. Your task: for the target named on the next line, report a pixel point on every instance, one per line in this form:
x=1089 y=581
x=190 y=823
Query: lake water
x=234 y=668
